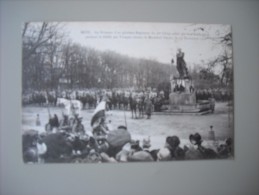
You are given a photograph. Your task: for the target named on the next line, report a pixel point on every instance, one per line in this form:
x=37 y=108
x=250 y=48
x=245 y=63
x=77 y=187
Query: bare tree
x=40 y=42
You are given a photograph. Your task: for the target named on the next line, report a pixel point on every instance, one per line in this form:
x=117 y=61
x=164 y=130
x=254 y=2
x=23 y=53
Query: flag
x=99 y=112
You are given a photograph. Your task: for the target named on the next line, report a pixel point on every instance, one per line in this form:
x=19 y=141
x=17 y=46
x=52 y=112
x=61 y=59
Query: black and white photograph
x=117 y=92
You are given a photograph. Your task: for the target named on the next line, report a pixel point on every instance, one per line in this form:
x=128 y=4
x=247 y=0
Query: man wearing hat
x=137 y=154
x=225 y=150
x=206 y=153
x=164 y=154
x=78 y=127
x=65 y=123
x=146 y=144
x=172 y=143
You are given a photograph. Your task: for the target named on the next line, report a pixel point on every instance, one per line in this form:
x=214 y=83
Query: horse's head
x=62 y=102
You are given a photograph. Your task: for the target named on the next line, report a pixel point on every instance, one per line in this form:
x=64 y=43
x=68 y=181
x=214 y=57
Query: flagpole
x=124 y=113
x=125 y=119
x=48 y=110
x=47 y=99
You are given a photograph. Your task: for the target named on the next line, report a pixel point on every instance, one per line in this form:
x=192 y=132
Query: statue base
x=183 y=98
x=186 y=103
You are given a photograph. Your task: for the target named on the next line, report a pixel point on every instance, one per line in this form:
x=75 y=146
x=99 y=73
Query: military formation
x=120 y=99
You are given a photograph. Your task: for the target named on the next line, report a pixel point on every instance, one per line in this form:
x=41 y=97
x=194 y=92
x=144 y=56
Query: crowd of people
x=66 y=140
x=118 y=98
x=69 y=142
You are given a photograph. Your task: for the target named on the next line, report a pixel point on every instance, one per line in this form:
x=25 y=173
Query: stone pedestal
x=177 y=99
x=182 y=99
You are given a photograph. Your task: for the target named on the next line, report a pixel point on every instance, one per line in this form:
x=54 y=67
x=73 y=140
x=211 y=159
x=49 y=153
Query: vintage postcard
x=126 y=92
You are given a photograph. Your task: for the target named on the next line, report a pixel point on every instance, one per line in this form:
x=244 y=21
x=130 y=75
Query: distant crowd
x=116 y=98
x=220 y=95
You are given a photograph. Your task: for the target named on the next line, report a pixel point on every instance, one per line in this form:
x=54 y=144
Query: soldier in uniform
x=148 y=108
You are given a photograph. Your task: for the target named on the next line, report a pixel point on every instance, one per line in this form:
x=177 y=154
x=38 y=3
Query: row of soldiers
x=116 y=99
x=221 y=95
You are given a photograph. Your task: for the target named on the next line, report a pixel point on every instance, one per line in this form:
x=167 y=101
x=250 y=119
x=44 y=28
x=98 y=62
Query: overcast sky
x=158 y=41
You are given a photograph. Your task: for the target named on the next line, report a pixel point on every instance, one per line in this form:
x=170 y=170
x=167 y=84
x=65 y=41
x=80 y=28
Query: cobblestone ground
x=158 y=127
